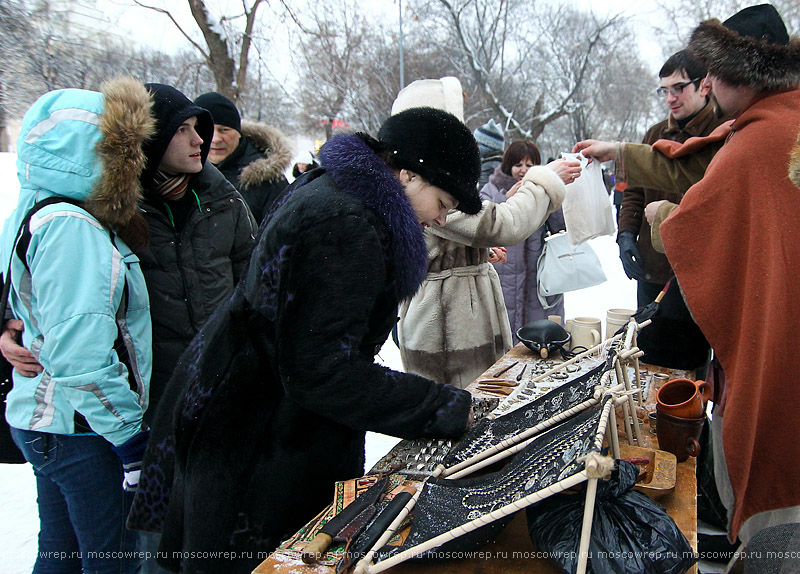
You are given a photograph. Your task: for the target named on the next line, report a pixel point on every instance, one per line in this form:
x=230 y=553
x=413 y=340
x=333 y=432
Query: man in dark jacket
x=253 y=157
x=690 y=115
x=201 y=235
x=201 y=231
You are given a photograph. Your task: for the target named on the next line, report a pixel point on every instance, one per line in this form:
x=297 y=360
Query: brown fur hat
x=751 y=48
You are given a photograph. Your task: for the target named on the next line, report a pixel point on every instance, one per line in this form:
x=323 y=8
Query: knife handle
x=314 y=550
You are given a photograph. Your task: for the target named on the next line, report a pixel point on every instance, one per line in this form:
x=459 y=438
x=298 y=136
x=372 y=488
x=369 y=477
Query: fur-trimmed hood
x=89 y=146
x=275 y=149
x=744 y=60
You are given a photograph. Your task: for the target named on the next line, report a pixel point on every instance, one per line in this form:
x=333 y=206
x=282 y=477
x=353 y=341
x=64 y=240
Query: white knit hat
x=443 y=94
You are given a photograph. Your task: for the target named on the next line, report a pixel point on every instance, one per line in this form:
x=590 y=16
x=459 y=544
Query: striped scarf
x=171 y=187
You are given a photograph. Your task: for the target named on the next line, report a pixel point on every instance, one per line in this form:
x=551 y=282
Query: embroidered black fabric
x=489 y=432
x=446 y=504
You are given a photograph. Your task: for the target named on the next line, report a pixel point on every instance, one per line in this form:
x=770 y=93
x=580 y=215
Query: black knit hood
x=170 y=109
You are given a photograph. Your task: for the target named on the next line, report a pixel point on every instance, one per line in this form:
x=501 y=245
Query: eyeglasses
x=675 y=90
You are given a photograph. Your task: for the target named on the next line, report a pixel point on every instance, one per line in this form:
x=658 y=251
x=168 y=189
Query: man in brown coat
x=690 y=115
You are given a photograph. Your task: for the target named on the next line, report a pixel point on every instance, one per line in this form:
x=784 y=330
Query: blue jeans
x=82 y=506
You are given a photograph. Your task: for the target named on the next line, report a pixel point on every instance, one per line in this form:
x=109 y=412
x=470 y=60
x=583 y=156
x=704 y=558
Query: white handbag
x=564 y=267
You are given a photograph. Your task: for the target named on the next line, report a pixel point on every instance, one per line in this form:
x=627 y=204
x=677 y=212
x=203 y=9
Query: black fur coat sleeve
x=336 y=304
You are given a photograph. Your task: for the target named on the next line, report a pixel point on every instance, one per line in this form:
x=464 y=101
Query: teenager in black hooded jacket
x=276 y=392
x=201 y=235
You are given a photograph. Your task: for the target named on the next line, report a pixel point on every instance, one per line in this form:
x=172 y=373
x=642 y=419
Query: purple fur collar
x=357 y=170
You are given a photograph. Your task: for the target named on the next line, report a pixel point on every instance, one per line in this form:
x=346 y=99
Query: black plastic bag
x=631 y=534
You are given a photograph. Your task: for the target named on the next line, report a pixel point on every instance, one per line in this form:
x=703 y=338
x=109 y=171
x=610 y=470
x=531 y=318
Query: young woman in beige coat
x=456 y=326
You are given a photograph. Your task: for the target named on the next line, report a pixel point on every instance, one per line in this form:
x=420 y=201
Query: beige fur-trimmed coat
x=456 y=325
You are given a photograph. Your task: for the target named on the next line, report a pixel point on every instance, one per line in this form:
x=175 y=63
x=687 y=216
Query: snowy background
x=19 y=521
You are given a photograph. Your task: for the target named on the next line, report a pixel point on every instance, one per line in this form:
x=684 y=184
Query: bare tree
x=13 y=38
x=332 y=65
x=226 y=49
x=523 y=64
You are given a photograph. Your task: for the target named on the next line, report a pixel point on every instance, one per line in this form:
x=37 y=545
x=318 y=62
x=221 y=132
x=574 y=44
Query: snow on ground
x=19 y=522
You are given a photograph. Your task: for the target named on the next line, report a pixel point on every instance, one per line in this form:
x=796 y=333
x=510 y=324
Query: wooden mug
x=683 y=398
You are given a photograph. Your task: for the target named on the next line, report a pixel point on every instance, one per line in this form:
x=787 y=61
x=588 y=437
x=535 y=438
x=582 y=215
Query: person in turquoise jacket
x=85 y=317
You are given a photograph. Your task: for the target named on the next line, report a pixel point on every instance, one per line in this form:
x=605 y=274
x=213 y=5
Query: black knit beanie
x=222 y=109
x=440 y=148
x=760 y=22
x=170 y=109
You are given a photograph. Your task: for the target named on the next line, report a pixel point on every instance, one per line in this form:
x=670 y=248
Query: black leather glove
x=629 y=254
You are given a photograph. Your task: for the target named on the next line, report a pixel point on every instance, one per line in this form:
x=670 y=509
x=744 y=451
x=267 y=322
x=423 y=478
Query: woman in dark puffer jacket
x=518 y=272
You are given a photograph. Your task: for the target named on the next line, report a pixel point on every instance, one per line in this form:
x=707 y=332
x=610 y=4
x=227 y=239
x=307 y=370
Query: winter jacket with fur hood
x=519 y=271
x=257 y=165
x=275 y=393
x=456 y=326
x=85 y=146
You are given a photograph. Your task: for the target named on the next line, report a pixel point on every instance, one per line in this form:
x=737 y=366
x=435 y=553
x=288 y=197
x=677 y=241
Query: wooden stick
x=613 y=438
x=637 y=430
x=506 y=382
x=501 y=371
x=586 y=529
x=637 y=372
x=522 y=372
x=423 y=547
x=625 y=411
x=524 y=502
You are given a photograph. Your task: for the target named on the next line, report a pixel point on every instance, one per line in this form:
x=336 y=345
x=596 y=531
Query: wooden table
x=513 y=552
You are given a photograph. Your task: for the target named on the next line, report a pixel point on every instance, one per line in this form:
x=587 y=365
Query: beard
x=718 y=111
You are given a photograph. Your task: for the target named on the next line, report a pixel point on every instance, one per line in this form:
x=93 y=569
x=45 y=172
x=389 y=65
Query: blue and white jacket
x=86 y=146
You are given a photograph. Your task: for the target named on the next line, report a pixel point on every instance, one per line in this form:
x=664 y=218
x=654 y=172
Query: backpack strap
x=24 y=233
x=21 y=243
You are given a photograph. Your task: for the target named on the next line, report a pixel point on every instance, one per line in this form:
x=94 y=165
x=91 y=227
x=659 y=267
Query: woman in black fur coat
x=269 y=405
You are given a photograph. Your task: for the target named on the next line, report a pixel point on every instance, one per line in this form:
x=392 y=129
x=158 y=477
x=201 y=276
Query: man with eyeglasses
x=686 y=95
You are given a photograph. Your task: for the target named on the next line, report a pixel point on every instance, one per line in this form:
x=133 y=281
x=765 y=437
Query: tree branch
x=175 y=22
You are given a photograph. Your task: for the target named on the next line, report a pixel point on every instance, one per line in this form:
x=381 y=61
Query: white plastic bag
x=588 y=212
